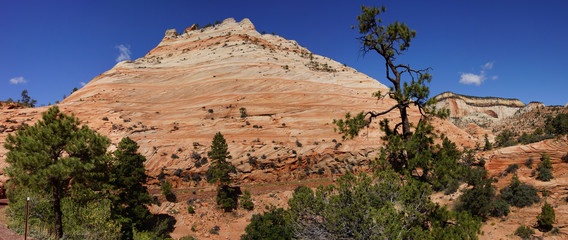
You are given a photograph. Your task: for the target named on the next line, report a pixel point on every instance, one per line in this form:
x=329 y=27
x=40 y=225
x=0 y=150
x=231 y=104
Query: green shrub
x=512 y=168
x=190 y=209
x=499 y=208
x=519 y=194
x=565 y=158
x=525 y=232
x=167 y=191
x=546 y=218
x=227 y=197
x=529 y=163
x=268 y=225
x=488 y=145
x=557 y=125
x=545 y=169
x=505 y=139
x=246 y=201
x=478 y=199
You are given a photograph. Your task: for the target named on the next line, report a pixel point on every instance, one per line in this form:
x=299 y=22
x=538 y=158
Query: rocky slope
x=192 y=85
x=498 y=160
x=481 y=111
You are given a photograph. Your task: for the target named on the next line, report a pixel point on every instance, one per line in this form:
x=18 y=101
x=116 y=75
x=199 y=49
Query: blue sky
x=504 y=48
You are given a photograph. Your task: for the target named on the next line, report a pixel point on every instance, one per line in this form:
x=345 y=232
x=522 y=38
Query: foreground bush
x=384 y=207
x=269 y=225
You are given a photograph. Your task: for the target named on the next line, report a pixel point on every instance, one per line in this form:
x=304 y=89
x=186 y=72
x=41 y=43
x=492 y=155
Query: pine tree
x=220 y=168
x=54 y=156
x=27 y=100
x=130 y=195
x=218 y=173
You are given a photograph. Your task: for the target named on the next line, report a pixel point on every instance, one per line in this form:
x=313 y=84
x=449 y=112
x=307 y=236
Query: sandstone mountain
x=194 y=84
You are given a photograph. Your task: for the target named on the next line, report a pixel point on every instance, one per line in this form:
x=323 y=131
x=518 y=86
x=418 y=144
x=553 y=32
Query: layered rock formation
x=481 y=111
x=192 y=85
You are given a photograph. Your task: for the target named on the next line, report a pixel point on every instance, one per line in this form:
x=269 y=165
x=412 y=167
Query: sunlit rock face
x=482 y=111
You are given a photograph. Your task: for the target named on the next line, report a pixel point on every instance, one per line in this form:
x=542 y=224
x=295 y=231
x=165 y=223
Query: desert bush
x=565 y=158
x=268 y=225
x=499 y=208
x=545 y=169
x=246 y=201
x=167 y=191
x=529 y=163
x=190 y=209
x=557 y=125
x=505 y=139
x=519 y=194
x=227 y=197
x=525 y=232
x=512 y=168
x=478 y=199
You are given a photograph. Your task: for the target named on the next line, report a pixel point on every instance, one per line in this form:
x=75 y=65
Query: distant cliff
x=481 y=110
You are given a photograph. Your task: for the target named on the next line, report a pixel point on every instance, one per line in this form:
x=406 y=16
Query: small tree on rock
x=546 y=218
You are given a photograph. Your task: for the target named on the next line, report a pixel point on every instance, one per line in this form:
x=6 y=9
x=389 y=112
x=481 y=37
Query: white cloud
x=124 y=53
x=478 y=79
x=488 y=66
x=470 y=78
x=82 y=84
x=18 y=80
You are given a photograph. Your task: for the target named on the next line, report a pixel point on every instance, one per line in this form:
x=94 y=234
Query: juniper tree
x=54 y=156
